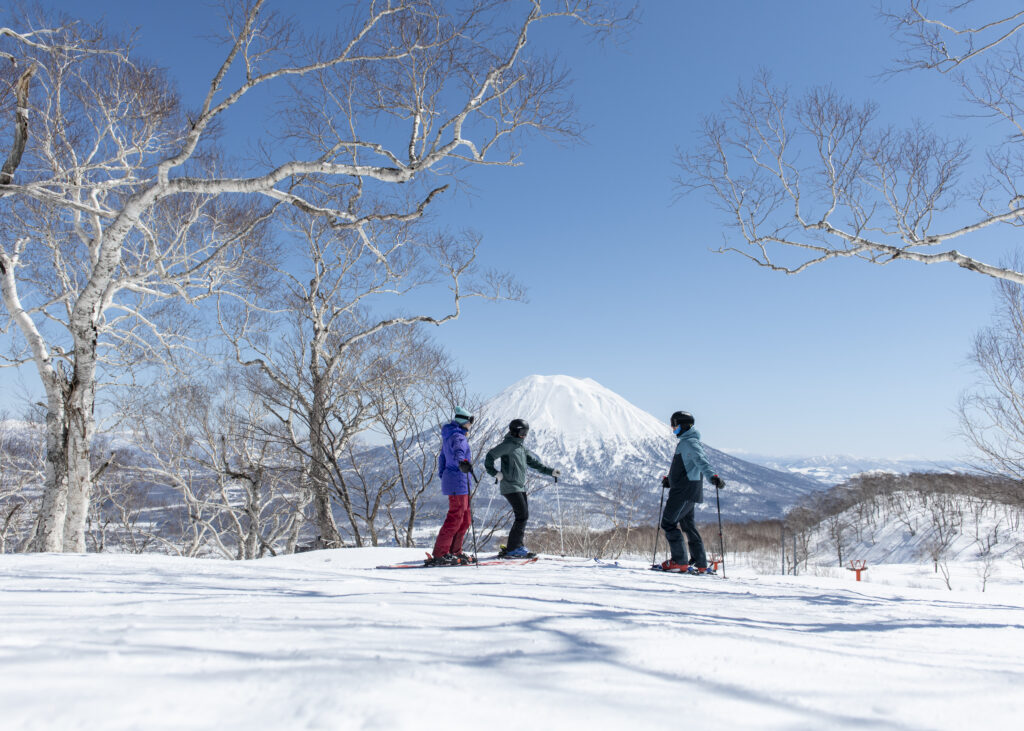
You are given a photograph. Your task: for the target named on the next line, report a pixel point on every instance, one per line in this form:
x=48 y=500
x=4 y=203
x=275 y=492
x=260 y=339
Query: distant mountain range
x=834 y=469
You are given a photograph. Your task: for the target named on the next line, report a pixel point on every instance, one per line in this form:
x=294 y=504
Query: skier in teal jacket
x=515 y=458
x=685 y=481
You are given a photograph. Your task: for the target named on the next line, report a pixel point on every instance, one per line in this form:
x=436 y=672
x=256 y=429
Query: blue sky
x=623 y=287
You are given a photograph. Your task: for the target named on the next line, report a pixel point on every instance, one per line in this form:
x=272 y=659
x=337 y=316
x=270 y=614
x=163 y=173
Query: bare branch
x=807 y=182
x=20 y=128
x=945 y=45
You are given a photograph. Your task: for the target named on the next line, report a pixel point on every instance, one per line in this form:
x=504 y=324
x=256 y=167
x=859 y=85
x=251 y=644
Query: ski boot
x=445 y=560
x=677 y=568
x=519 y=552
x=464 y=558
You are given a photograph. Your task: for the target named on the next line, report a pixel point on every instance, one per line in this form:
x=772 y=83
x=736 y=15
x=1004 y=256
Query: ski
x=508 y=561
x=486 y=562
x=691 y=571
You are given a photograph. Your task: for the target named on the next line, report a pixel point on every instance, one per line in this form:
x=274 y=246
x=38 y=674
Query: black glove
x=718 y=482
x=465 y=466
x=664 y=481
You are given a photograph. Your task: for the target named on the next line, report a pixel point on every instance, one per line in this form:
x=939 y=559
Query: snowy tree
x=811 y=178
x=118 y=197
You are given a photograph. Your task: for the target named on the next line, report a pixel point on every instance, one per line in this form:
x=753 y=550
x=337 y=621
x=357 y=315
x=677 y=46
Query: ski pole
x=721 y=541
x=657 y=523
x=472 y=520
x=558 y=499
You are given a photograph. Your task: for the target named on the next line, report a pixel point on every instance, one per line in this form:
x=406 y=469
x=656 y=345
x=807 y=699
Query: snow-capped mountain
x=834 y=469
x=587 y=429
x=612 y=452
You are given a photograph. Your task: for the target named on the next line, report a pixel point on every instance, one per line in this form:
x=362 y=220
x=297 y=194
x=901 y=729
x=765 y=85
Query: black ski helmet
x=518 y=428
x=683 y=419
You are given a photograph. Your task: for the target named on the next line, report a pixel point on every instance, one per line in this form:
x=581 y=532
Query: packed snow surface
x=323 y=640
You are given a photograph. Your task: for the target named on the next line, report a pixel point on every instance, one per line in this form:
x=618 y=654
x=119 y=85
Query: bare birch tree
x=228 y=484
x=21 y=480
x=320 y=373
x=944 y=37
x=90 y=253
x=115 y=194
x=413 y=393
x=810 y=178
x=992 y=412
x=120 y=511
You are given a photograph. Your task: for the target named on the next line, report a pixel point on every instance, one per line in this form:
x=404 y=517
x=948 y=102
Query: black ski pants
x=521 y=511
x=677 y=520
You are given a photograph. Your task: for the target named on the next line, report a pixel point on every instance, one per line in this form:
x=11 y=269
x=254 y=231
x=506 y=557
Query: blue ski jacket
x=454 y=449
x=689 y=465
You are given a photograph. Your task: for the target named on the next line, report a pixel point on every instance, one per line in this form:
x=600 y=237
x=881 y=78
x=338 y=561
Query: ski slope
x=322 y=640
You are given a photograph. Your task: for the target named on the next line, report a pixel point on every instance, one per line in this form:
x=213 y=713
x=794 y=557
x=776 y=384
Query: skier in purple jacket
x=454 y=464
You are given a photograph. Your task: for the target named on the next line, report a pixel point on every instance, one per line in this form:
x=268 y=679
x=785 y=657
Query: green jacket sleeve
x=533 y=461
x=492 y=454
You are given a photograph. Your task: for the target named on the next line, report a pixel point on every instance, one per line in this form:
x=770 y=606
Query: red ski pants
x=456 y=523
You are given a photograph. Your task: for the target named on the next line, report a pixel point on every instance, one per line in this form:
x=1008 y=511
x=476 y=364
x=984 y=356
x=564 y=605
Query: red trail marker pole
x=858 y=566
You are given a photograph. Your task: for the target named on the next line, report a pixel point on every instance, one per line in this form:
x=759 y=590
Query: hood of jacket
x=450 y=428
x=454 y=447
x=690 y=434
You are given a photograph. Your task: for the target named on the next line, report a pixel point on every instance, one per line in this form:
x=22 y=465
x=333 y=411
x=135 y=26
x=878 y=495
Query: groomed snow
x=324 y=641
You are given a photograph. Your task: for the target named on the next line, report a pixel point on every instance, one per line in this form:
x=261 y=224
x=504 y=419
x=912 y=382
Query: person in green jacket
x=515 y=458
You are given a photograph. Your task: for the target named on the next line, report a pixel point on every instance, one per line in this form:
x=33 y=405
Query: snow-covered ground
x=324 y=641
x=976 y=540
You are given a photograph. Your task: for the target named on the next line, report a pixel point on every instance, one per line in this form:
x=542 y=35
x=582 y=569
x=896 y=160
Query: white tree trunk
x=318 y=478
x=68 y=483
x=49 y=531
x=79 y=467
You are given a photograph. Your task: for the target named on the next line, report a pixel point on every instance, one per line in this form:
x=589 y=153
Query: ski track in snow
x=323 y=641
